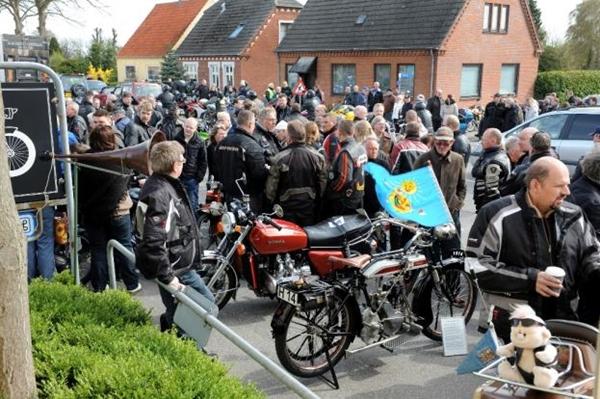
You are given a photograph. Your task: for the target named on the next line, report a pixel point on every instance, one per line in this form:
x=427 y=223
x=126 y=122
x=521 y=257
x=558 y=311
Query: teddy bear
x=529 y=355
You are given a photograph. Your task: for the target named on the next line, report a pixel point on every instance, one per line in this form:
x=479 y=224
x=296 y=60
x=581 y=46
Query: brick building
x=236 y=39
x=469 y=48
x=164 y=29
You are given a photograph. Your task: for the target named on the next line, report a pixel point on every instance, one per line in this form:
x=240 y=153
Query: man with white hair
x=513 y=150
x=360 y=113
x=75 y=123
x=491 y=169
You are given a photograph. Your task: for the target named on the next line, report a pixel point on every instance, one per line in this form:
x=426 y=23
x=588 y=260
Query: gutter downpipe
x=432 y=73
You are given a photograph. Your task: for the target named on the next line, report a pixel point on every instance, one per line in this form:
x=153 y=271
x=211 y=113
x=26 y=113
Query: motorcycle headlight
x=228 y=221
x=444 y=231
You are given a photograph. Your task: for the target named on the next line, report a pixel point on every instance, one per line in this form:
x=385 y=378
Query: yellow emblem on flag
x=409 y=187
x=400 y=202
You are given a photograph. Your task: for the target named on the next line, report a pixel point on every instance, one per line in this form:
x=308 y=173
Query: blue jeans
x=99 y=233
x=40 y=253
x=191 y=187
x=190 y=278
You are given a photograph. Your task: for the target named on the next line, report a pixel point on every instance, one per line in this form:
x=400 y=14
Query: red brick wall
x=468 y=44
x=365 y=68
x=259 y=68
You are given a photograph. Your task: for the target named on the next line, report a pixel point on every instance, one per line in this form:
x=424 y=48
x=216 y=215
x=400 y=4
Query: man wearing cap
x=297 y=178
x=281 y=134
x=119 y=117
x=127 y=104
x=514 y=239
x=449 y=169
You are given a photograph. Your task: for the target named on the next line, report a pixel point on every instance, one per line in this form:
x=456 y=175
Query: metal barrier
x=62 y=119
x=278 y=372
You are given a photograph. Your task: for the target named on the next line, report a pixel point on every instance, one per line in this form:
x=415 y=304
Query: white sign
x=454 y=336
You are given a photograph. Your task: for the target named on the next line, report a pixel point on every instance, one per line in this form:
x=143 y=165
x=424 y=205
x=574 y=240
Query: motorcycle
x=209 y=215
x=380 y=298
x=265 y=251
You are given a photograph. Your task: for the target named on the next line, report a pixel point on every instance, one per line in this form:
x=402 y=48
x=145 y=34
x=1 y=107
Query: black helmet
x=166 y=88
x=310 y=93
x=251 y=95
x=78 y=90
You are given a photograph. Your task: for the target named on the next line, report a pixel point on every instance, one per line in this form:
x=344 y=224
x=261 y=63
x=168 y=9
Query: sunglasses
x=443 y=143
x=526 y=322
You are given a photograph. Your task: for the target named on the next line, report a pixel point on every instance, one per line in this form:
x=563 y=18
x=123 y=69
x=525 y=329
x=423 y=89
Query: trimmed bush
x=88 y=345
x=581 y=83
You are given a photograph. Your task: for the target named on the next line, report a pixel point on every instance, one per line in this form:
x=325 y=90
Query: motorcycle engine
x=372 y=327
x=282 y=268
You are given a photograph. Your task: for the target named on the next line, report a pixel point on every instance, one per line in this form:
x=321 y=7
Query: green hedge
x=88 y=345
x=581 y=83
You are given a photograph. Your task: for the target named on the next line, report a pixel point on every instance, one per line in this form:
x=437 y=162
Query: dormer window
x=495 y=18
x=236 y=32
x=360 y=20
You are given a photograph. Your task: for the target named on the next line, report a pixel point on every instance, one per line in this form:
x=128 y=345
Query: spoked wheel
x=454 y=296
x=226 y=284
x=306 y=337
x=20 y=151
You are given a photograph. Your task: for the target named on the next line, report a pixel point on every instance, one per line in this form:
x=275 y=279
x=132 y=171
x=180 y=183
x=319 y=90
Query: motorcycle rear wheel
x=454 y=296
x=301 y=344
x=226 y=284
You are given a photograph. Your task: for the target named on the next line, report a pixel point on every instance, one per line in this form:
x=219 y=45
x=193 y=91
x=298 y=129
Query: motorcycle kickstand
x=333 y=382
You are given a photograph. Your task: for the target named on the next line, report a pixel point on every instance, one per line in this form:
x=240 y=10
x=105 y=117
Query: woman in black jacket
x=104 y=204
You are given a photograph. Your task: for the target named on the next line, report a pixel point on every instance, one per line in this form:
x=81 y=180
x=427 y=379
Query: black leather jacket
x=195 y=157
x=170 y=242
x=461 y=145
x=239 y=153
x=490 y=170
x=137 y=132
x=509 y=244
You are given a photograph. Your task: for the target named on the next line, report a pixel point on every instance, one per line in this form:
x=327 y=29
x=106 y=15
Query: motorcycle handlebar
x=270 y=221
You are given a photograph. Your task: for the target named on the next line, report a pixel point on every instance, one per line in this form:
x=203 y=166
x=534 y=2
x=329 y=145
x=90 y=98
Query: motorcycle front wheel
x=305 y=338
x=226 y=283
x=455 y=295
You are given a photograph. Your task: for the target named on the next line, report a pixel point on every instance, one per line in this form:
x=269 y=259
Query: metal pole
x=228 y=333
x=62 y=118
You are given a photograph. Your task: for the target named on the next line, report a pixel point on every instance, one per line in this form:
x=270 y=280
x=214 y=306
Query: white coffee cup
x=556 y=272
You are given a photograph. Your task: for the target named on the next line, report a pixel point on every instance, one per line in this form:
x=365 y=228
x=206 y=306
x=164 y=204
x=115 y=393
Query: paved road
x=417 y=369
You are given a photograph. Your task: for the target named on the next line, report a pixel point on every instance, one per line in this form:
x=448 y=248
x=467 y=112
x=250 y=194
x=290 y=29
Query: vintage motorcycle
x=381 y=298
x=209 y=215
x=265 y=251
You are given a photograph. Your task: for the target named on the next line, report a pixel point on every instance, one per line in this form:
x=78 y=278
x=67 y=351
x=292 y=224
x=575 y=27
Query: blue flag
x=414 y=196
x=483 y=354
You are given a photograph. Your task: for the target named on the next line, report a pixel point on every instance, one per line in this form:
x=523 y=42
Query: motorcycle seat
x=335 y=232
x=357 y=262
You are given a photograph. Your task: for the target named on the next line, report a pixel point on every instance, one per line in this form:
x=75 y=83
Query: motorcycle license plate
x=287 y=295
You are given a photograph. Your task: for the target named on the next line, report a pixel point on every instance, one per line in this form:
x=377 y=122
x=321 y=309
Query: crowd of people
x=295 y=151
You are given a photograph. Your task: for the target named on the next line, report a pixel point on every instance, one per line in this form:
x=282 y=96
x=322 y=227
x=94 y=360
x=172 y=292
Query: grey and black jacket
x=509 y=244
x=490 y=170
x=170 y=243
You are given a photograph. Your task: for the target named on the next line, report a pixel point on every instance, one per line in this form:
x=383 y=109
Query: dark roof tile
x=329 y=25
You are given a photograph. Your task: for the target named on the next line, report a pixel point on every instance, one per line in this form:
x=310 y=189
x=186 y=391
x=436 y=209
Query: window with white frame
x=153 y=73
x=509 y=78
x=495 y=18
x=130 y=72
x=190 y=69
x=283 y=28
x=228 y=73
x=470 y=81
x=214 y=73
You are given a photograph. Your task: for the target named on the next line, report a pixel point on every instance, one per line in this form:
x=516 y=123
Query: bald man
x=514 y=239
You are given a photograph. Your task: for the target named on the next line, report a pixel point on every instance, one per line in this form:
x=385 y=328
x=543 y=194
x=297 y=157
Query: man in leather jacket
x=346 y=185
x=170 y=246
x=264 y=132
x=140 y=130
x=242 y=154
x=195 y=160
x=406 y=151
x=491 y=169
x=514 y=239
x=461 y=142
x=297 y=178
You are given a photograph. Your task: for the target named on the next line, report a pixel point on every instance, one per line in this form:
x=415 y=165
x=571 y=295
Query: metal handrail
x=278 y=372
x=62 y=117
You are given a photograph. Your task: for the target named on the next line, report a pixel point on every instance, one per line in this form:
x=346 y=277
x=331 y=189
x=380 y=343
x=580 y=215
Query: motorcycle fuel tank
x=267 y=240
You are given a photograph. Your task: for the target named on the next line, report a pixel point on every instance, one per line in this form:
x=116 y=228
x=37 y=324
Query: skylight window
x=361 y=19
x=223 y=7
x=236 y=32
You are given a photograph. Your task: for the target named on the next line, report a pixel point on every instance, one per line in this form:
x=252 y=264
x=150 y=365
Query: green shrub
x=88 y=345
x=581 y=83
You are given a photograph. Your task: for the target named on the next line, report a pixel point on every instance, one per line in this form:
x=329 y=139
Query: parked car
x=139 y=89
x=95 y=85
x=570 y=131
